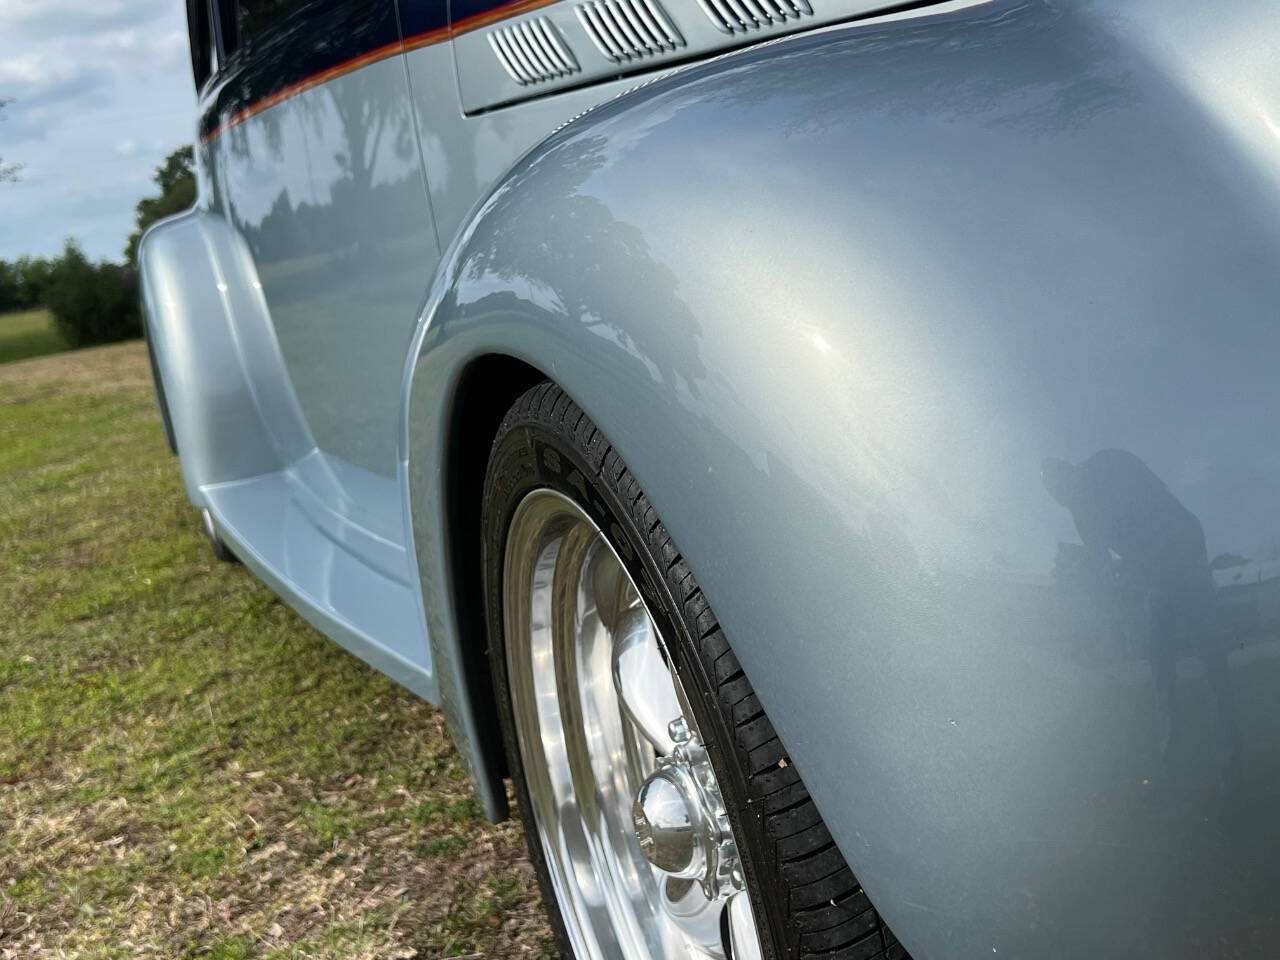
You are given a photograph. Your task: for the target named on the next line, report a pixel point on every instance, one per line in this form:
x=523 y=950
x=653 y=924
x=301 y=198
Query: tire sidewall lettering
x=557 y=470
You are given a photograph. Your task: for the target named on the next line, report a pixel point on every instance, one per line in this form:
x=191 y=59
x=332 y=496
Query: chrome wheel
x=628 y=812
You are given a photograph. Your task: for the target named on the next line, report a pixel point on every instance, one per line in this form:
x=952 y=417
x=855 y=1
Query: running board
x=348 y=581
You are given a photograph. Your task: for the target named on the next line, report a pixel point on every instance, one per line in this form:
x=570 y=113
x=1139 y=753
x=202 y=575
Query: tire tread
x=825 y=910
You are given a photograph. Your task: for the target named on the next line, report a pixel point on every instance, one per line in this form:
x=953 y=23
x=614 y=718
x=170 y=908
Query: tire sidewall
x=529 y=456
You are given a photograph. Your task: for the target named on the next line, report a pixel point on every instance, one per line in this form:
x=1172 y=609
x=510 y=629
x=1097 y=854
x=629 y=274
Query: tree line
x=97 y=302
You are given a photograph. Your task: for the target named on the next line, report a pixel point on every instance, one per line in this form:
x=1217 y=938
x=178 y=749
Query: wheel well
x=486 y=390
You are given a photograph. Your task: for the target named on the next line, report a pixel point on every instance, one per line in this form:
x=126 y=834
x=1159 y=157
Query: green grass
x=186 y=768
x=29 y=333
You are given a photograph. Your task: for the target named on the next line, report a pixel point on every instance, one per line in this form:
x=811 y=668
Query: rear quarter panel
x=834 y=300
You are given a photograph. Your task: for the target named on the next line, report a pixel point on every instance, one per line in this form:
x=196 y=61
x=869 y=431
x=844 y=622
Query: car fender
x=217 y=365
x=834 y=300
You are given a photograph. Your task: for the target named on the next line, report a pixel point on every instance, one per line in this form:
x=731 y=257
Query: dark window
x=204 y=58
x=256 y=17
x=228 y=28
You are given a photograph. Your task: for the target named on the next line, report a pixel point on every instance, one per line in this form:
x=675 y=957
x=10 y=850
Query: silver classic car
x=824 y=454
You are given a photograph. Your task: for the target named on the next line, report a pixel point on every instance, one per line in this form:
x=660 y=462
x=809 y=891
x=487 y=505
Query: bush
x=92 y=302
x=23 y=282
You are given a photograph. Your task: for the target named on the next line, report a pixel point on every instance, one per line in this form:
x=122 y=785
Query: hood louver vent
x=743 y=16
x=626 y=30
x=531 y=51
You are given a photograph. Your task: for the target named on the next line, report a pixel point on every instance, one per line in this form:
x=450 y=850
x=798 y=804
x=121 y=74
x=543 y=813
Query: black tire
x=221 y=551
x=807 y=902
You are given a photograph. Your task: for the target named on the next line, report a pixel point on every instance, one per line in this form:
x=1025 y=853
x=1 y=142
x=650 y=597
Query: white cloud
x=144 y=49
x=45 y=87
x=42 y=19
x=101 y=93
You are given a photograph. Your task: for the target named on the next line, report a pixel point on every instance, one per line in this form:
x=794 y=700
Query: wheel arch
x=486 y=388
x=487 y=314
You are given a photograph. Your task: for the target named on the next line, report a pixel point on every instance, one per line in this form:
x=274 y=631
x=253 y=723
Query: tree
x=177 y=182
x=10 y=287
x=23 y=282
x=92 y=302
x=33 y=275
x=8 y=171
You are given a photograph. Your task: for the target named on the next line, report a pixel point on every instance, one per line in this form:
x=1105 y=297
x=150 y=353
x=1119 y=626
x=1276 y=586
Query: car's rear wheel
x=664 y=818
x=219 y=546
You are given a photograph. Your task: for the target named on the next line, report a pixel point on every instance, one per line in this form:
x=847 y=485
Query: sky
x=101 y=93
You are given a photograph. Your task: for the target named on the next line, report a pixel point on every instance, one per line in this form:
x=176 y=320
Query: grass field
x=29 y=333
x=186 y=768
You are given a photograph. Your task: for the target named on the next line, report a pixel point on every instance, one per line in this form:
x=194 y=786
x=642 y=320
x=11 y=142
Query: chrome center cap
x=670 y=824
x=681 y=824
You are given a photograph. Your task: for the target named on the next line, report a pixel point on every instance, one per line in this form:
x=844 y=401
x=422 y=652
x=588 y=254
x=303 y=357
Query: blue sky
x=102 y=92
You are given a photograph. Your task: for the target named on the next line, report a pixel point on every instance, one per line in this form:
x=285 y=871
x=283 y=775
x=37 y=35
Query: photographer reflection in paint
x=1139 y=541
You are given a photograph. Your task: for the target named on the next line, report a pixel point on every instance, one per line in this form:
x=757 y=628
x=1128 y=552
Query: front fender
x=834 y=300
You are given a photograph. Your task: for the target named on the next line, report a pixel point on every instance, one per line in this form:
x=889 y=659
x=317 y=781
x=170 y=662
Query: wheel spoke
x=589 y=737
x=643 y=679
x=743 y=940
x=594 y=698
x=691 y=911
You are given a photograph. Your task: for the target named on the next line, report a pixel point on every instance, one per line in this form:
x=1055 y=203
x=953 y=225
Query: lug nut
x=678 y=730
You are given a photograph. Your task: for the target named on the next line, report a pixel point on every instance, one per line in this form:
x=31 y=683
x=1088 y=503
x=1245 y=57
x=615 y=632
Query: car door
x=316 y=163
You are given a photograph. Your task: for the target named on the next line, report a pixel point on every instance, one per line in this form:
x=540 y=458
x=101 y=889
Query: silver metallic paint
x=328 y=191
x=898 y=267
x=326 y=535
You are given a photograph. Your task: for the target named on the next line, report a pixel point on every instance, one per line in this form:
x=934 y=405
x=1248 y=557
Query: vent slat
x=497 y=52
x=624 y=30
x=742 y=16
x=663 y=21
x=646 y=38
x=566 y=55
x=531 y=52
x=509 y=61
x=533 y=71
x=651 y=27
x=635 y=46
x=658 y=20
x=746 y=18
x=529 y=47
x=720 y=15
x=590 y=19
x=539 y=38
x=619 y=41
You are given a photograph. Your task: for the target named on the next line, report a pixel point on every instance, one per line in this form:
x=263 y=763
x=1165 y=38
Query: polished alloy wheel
x=630 y=817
